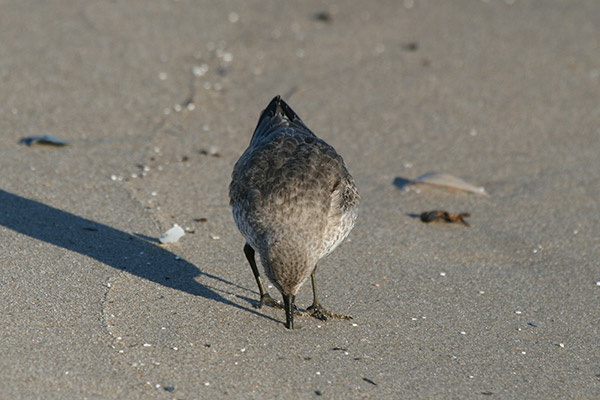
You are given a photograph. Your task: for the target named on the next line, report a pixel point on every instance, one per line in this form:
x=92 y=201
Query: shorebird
x=294 y=201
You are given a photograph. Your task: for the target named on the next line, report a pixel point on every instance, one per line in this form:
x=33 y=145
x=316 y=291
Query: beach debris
x=339 y=349
x=448 y=181
x=445 y=216
x=370 y=381
x=212 y=151
x=410 y=46
x=44 y=139
x=233 y=17
x=323 y=16
x=172 y=235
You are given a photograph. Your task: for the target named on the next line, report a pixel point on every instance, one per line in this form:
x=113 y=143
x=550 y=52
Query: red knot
x=294 y=201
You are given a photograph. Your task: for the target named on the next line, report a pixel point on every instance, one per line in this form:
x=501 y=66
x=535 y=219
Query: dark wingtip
x=276 y=114
x=278 y=107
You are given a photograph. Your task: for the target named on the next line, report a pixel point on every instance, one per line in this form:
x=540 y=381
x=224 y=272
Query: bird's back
x=291 y=189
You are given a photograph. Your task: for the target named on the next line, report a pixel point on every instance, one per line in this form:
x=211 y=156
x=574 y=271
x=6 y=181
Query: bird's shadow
x=136 y=254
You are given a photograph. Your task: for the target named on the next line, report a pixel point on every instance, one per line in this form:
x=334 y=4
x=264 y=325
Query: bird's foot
x=319 y=312
x=267 y=300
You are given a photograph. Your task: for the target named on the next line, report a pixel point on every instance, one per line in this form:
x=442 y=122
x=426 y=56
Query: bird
x=294 y=202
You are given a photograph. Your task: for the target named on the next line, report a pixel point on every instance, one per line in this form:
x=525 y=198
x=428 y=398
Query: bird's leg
x=316 y=310
x=288 y=301
x=265 y=298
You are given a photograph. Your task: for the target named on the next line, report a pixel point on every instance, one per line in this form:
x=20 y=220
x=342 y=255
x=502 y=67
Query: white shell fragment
x=448 y=181
x=172 y=235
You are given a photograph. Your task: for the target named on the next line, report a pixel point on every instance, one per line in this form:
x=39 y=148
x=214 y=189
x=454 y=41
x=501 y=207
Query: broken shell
x=172 y=235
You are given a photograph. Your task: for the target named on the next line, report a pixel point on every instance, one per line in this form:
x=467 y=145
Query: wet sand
x=158 y=99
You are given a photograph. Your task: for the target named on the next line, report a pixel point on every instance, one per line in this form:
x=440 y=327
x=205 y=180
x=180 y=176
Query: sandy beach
x=158 y=99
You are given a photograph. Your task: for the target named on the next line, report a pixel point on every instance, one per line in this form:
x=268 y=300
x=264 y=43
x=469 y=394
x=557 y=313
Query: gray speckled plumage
x=293 y=199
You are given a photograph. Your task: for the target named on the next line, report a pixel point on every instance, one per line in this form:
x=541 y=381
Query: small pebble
x=227 y=57
x=323 y=16
x=233 y=17
x=200 y=70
